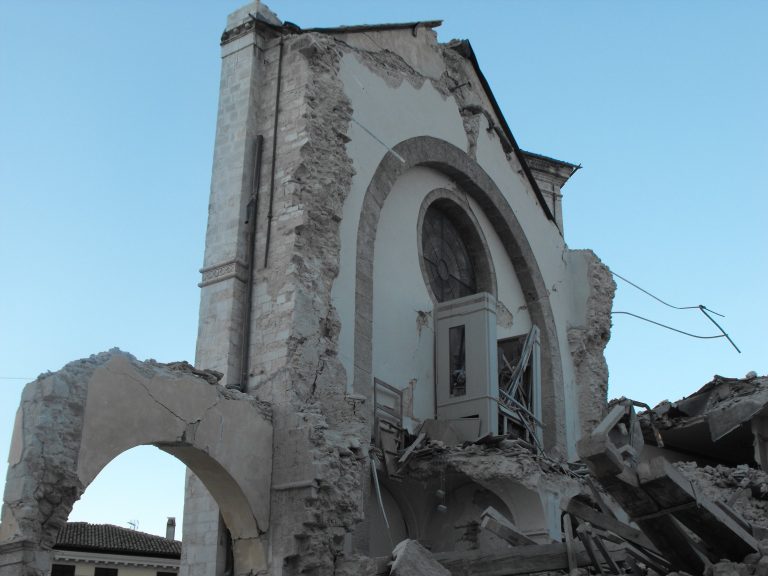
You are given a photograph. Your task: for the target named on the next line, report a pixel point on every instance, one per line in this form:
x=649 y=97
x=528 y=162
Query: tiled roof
x=108 y=538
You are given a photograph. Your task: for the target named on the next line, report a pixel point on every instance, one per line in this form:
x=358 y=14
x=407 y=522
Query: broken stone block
x=728 y=568
x=412 y=559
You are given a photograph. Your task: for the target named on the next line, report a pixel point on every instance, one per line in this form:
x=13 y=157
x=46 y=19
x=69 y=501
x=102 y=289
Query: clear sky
x=107 y=118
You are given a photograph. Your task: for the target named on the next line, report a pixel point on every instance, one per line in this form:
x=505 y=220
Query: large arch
x=72 y=423
x=472 y=179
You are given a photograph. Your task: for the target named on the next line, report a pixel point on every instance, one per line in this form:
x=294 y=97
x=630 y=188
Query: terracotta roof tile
x=108 y=538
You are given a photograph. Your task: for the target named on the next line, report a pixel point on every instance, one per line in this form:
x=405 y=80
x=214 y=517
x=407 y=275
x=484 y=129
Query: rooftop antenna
x=134 y=524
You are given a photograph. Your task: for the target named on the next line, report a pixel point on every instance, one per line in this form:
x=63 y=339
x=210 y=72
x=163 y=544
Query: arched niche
x=469 y=177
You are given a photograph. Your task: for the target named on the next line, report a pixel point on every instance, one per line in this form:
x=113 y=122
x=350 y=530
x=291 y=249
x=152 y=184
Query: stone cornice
x=224 y=271
x=238 y=31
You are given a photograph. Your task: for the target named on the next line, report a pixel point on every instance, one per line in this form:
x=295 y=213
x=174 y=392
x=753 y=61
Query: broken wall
x=322 y=104
x=592 y=289
x=72 y=423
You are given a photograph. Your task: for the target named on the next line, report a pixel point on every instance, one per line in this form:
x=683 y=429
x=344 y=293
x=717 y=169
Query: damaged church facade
x=408 y=279
x=395 y=341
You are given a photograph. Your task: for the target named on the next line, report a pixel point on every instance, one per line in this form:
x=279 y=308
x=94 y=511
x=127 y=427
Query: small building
x=84 y=549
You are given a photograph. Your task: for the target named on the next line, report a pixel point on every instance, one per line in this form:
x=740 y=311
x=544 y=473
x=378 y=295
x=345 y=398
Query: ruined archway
x=72 y=423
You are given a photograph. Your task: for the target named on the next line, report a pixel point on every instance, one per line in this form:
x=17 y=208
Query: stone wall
x=593 y=287
x=73 y=422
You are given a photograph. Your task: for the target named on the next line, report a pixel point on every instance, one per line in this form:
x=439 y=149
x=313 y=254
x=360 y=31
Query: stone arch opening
x=144 y=484
x=72 y=423
x=471 y=179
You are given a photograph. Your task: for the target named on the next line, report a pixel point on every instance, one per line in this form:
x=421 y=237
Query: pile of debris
x=725 y=422
x=742 y=488
x=655 y=496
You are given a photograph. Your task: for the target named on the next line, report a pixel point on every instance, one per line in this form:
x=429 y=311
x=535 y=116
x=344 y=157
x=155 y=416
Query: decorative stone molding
x=231 y=269
x=236 y=32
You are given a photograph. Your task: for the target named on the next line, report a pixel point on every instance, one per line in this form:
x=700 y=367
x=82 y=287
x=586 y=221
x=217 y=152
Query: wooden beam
x=573 y=565
x=585 y=536
x=606 y=554
x=671 y=490
x=588 y=514
x=623 y=485
x=517 y=560
x=496 y=522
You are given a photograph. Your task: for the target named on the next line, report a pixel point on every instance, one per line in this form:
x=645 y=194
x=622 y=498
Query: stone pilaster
x=224 y=272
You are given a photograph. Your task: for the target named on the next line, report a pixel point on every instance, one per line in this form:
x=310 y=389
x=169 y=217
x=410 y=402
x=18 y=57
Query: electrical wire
x=667 y=327
x=699 y=307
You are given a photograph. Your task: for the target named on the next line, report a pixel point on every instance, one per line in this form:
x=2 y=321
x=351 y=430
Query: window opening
x=458 y=360
x=520 y=387
x=449 y=266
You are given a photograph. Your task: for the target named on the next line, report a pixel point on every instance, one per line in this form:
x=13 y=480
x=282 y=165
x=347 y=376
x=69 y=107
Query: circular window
x=454 y=256
x=449 y=266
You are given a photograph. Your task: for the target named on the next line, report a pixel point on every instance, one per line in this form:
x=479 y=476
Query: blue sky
x=107 y=116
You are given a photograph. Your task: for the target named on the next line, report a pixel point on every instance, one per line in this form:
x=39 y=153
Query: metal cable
x=668 y=327
x=700 y=306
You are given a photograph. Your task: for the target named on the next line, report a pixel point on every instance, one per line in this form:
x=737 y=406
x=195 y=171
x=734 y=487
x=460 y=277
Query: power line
x=701 y=308
x=667 y=327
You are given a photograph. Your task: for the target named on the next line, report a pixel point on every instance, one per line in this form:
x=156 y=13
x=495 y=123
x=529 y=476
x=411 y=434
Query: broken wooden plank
x=621 y=482
x=721 y=533
x=582 y=531
x=606 y=554
x=587 y=514
x=517 y=560
x=735 y=516
x=408 y=451
x=573 y=565
x=651 y=562
x=598 y=498
x=494 y=521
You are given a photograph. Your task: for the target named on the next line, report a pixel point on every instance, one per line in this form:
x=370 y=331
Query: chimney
x=170 y=528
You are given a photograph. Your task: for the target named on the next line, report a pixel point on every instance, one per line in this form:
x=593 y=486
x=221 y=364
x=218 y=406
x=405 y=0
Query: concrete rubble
x=411 y=559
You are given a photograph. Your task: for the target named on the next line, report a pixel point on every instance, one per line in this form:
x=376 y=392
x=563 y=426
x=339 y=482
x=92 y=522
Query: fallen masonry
x=494 y=505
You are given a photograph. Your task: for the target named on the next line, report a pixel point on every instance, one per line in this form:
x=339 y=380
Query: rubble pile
x=745 y=489
x=501 y=458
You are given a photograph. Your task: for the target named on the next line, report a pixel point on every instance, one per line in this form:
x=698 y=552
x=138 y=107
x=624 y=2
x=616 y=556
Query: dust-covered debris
x=412 y=559
x=744 y=488
x=508 y=459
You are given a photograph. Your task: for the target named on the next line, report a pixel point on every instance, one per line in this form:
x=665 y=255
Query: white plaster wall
x=396 y=113
x=393 y=115
x=401 y=351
